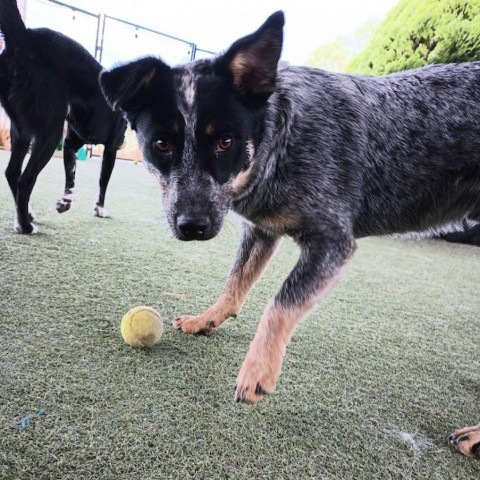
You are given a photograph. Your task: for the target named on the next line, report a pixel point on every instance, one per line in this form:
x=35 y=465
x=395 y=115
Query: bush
x=419 y=33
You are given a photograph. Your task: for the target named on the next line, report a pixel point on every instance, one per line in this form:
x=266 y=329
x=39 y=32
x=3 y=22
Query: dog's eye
x=224 y=142
x=162 y=146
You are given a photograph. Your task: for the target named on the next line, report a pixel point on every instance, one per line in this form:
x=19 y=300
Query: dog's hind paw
x=467 y=441
x=101 y=212
x=64 y=203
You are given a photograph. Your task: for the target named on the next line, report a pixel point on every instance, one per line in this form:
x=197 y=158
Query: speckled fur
x=335 y=157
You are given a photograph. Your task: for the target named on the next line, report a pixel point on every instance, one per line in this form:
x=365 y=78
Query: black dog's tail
x=11 y=23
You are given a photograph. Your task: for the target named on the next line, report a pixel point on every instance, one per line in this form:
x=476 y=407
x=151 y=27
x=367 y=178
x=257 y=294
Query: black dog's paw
x=28 y=228
x=64 y=203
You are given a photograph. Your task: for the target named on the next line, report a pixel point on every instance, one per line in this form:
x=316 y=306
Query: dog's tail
x=11 y=23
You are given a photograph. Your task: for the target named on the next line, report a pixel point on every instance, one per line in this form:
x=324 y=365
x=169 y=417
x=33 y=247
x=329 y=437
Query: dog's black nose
x=193 y=227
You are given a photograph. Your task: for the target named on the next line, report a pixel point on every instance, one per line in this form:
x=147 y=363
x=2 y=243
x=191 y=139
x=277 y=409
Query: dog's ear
x=252 y=61
x=125 y=86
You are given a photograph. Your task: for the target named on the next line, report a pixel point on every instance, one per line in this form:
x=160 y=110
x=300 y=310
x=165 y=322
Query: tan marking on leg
x=465 y=438
x=230 y=301
x=228 y=304
x=263 y=363
x=281 y=221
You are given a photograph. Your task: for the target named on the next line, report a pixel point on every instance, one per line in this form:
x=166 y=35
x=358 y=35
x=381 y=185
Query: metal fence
x=109 y=39
x=82 y=26
x=136 y=41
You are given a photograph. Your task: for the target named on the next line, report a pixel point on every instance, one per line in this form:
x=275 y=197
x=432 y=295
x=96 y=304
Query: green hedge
x=420 y=32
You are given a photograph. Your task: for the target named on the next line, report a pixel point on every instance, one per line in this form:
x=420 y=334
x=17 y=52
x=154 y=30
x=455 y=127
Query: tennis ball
x=141 y=327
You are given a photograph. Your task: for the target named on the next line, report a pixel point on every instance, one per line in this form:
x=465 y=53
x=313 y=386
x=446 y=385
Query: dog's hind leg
x=42 y=151
x=19 y=146
x=320 y=266
x=71 y=146
x=255 y=250
x=108 y=162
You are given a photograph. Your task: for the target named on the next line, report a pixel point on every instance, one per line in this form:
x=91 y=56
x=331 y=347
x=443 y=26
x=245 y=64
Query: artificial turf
x=374 y=380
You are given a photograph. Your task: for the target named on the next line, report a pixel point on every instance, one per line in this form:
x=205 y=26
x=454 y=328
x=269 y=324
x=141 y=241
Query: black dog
x=322 y=157
x=45 y=78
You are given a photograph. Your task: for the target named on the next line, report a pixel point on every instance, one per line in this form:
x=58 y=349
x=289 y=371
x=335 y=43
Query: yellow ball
x=141 y=327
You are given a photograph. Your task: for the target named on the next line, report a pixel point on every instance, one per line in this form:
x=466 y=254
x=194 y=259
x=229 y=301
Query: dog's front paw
x=194 y=324
x=64 y=203
x=101 y=212
x=28 y=228
x=258 y=375
x=31 y=214
x=467 y=441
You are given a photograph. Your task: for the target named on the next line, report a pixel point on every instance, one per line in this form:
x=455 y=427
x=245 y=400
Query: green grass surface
x=374 y=380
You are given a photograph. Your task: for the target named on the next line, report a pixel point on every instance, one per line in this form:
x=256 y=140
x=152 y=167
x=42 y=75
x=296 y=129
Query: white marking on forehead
x=187 y=107
x=188 y=85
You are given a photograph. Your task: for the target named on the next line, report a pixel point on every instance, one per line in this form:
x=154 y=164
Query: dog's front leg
x=255 y=250
x=320 y=266
x=71 y=145
x=108 y=162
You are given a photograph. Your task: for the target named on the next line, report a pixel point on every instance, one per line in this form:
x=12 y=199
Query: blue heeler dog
x=324 y=158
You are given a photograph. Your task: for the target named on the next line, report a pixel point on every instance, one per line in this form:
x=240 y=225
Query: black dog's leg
x=108 y=162
x=70 y=148
x=19 y=146
x=255 y=250
x=320 y=266
x=42 y=151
